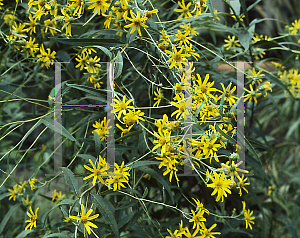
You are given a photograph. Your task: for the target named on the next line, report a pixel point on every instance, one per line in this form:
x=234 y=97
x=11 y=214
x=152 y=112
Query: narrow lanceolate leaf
x=225 y=135
x=159 y=179
x=24 y=233
x=107 y=212
x=97 y=143
x=71 y=180
x=50 y=124
x=118 y=65
x=7 y=216
x=63 y=202
x=87 y=42
x=63 y=234
x=106 y=51
x=251 y=149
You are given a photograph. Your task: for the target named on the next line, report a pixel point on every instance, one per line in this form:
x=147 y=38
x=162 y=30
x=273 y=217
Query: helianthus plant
x=149 y=126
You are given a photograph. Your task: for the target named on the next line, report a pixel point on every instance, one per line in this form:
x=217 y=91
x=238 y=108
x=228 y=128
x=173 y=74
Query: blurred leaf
x=50 y=124
x=105 y=50
x=159 y=178
x=107 y=212
x=118 y=65
x=87 y=41
x=71 y=181
x=7 y=216
x=64 y=234
x=24 y=233
x=245 y=37
x=97 y=142
x=236 y=5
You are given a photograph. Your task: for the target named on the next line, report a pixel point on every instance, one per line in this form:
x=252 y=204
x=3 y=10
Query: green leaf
x=2 y=53
x=7 y=216
x=211 y=8
x=118 y=65
x=87 y=157
x=3 y=196
x=63 y=202
x=266 y=44
x=87 y=42
x=144 y=163
x=159 y=179
x=130 y=134
x=293 y=128
x=71 y=181
x=222 y=100
x=236 y=5
x=253 y=5
x=106 y=51
x=97 y=142
x=245 y=37
x=50 y=124
x=87 y=89
x=64 y=234
x=225 y=135
x=251 y=149
x=24 y=233
x=145 y=193
x=106 y=211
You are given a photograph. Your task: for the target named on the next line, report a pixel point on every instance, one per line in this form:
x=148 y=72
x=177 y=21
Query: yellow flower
x=162 y=141
x=121 y=106
x=198 y=219
x=117 y=181
x=256 y=77
x=67 y=219
x=251 y=94
x=242 y=185
x=231 y=42
x=296 y=27
x=78 y=5
x=200 y=206
x=210 y=148
x=83 y=61
x=248 y=214
x=32 y=181
x=121 y=171
x=30 y=47
x=133 y=117
x=85 y=219
x=137 y=22
x=33 y=218
x=108 y=17
x=31 y=25
x=184 y=9
x=265 y=87
x=49 y=25
x=228 y=97
x=147 y=176
x=99 y=5
x=26 y=201
x=271 y=189
x=14 y=192
x=206 y=233
x=99 y=171
x=177 y=57
x=93 y=65
x=68 y=20
x=148 y=14
x=57 y=197
x=124 y=131
x=189 y=30
x=182 y=38
x=220 y=184
x=158 y=97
